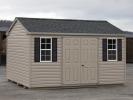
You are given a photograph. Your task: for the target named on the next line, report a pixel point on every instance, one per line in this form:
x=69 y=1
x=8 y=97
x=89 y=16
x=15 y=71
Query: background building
x=129 y=47
x=4 y=26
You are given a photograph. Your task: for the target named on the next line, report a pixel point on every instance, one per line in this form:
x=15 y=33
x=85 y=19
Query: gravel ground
x=10 y=91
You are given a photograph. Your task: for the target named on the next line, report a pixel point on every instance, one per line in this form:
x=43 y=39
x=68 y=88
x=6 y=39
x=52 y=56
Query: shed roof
x=68 y=26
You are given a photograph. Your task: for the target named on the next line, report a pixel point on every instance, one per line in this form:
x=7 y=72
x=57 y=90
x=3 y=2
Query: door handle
x=84 y=66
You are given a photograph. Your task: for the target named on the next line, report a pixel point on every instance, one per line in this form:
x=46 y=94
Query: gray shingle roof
x=68 y=26
x=4 y=25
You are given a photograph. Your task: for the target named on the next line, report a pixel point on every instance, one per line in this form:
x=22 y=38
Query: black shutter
x=119 y=49
x=54 y=49
x=104 y=51
x=37 y=49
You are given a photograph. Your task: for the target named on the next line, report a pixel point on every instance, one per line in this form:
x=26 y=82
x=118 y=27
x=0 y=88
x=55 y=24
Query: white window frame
x=112 y=49
x=46 y=49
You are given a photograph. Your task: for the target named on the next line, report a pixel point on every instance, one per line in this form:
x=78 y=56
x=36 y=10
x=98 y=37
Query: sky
x=117 y=12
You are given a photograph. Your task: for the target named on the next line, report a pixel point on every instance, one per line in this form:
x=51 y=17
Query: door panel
x=88 y=60
x=71 y=61
x=79 y=60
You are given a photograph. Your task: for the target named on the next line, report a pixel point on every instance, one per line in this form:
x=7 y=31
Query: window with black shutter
x=112 y=49
x=45 y=49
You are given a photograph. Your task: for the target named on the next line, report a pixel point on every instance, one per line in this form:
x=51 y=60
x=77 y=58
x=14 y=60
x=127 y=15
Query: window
x=46 y=49
x=112 y=49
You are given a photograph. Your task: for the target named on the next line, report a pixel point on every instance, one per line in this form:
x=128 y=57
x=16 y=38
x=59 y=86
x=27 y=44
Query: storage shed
x=63 y=52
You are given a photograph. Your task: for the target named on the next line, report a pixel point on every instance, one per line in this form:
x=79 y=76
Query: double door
x=80 y=60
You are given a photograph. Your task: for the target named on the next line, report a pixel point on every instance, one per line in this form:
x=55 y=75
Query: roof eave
x=75 y=34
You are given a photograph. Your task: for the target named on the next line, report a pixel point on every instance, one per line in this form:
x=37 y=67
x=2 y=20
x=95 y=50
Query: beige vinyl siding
x=112 y=72
x=18 y=65
x=46 y=74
